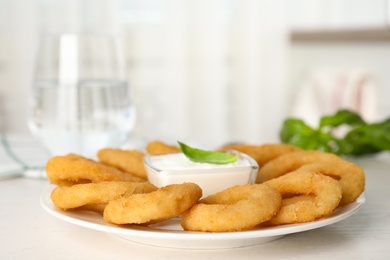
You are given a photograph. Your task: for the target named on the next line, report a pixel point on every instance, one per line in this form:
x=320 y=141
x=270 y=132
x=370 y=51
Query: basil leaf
x=342 y=117
x=361 y=138
x=329 y=143
x=369 y=139
x=297 y=133
x=202 y=156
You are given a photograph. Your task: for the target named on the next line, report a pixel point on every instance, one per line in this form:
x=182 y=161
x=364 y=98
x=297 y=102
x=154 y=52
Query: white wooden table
x=29 y=232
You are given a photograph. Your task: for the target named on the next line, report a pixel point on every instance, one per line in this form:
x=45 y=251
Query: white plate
x=170 y=234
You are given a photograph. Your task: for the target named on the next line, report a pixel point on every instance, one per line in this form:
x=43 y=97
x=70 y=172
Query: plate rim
x=337 y=216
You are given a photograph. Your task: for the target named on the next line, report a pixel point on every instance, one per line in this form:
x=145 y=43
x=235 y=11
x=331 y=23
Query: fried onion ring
x=263 y=153
x=350 y=176
x=237 y=208
x=130 y=161
x=73 y=169
x=158 y=147
x=166 y=202
x=316 y=196
x=95 y=195
x=99 y=208
x=292 y=161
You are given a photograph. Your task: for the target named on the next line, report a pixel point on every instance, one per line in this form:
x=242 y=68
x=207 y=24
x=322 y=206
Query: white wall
x=17 y=43
x=20 y=24
x=16 y=58
x=372 y=56
x=207 y=71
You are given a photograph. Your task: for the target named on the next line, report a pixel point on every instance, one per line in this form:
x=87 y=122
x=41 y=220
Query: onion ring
x=73 y=169
x=350 y=176
x=165 y=203
x=130 y=161
x=95 y=195
x=237 y=208
x=316 y=196
x=263 y=153
x=99 y=208
x=157 y=147
x=292 y=161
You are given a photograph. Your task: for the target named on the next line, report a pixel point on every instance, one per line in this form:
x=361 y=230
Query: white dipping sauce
x=176 y=168
x=178 y=161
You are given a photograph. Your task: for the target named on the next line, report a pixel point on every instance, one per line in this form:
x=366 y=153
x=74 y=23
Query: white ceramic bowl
x=175 y=168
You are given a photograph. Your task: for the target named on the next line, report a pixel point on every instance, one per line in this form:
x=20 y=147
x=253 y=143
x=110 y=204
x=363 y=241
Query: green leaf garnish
x=202 y=156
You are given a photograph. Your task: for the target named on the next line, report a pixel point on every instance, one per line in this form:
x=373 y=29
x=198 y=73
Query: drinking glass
x=80 y=100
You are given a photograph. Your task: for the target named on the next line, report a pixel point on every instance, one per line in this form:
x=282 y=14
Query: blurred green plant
x=361 y=138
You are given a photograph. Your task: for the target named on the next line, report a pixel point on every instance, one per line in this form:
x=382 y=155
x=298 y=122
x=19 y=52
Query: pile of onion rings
x=292 y=186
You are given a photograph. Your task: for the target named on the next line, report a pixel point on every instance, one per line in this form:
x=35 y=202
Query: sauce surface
x=178 y=161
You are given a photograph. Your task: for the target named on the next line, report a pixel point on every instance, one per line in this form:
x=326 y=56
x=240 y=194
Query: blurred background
x=216 y=71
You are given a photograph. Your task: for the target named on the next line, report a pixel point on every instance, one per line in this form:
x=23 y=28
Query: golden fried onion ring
x=237 y=208
x=73 y=169
x=350 y=176
x=316 y=195
x=158 y=147
x=95 y=195
x=263 y=153
x=166 y=202
x=292 y=161
x=130 y=161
